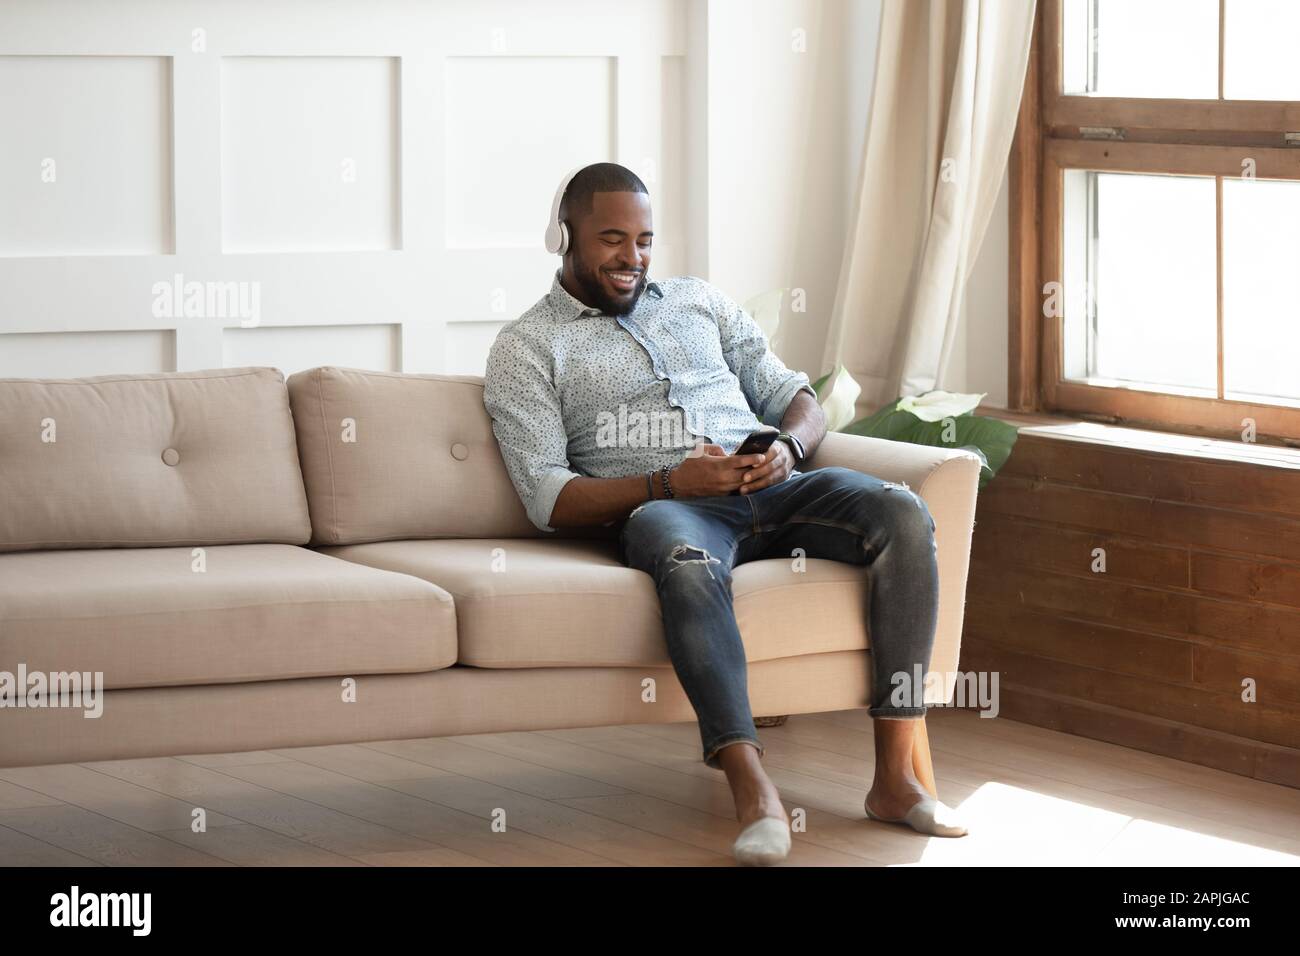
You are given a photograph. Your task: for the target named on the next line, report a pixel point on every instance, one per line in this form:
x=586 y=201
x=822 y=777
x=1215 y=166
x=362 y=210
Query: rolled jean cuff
x=897 y=713
x=711 y=755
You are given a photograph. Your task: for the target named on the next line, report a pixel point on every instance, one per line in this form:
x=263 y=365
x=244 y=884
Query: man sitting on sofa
x=608 y=346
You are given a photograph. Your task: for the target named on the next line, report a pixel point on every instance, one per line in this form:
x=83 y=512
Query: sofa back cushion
x=387 y=456
x=120 y=461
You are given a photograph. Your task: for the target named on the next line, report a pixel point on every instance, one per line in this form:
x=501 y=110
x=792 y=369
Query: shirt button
x=459 y=452
x=171 y=456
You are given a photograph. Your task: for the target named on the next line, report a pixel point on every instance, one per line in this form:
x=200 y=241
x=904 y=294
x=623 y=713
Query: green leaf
x=990 y=438
x=872 y=424
x=817 y=385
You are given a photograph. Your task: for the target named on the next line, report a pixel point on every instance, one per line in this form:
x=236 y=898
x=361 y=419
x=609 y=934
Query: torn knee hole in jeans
x=902 y=486
x=704 y=558
x=917 y=500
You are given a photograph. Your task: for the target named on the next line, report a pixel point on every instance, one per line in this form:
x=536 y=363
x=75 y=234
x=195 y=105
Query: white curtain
x=943 y=113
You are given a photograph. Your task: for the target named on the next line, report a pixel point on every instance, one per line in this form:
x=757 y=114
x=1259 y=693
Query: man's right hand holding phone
x=709 y=470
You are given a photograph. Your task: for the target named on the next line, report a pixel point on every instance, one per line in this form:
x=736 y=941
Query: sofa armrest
x=946 y=479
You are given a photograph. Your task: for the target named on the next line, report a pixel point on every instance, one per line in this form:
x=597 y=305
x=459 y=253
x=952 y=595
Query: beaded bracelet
x=668 y=489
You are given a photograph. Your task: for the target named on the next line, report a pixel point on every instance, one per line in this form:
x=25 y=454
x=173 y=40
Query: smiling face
x=609 y=259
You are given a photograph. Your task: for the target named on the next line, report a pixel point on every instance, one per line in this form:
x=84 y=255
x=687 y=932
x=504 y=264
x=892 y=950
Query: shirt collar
x=566 y=308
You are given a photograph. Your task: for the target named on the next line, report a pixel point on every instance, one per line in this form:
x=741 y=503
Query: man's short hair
x=598 y=178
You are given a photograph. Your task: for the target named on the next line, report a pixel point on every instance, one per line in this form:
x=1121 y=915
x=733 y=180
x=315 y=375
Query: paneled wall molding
x=317 y=157
x=379 y=172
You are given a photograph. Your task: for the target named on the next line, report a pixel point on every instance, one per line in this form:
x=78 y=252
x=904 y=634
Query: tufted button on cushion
x=241 y=483
x=393 y=486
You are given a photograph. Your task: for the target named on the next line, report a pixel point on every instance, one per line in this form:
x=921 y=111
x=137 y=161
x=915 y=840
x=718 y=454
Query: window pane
x=1149 y=48
x=1259 y=50
x=1261 y=290
x=1146 y=245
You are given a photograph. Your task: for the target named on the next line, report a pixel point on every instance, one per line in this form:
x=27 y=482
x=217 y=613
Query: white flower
x=841 y=399
x=937 y=405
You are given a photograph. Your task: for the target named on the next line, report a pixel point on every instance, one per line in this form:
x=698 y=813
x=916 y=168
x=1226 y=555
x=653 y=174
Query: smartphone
x=757 y=444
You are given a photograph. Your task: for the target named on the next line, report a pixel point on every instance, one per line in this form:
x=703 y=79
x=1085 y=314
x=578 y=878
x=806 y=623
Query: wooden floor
x=639 y=796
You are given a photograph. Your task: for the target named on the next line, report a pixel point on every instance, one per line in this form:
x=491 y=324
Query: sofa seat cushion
x=566 y=603
x=145 y=617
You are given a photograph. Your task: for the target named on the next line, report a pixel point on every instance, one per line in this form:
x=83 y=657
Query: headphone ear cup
x=564 y=239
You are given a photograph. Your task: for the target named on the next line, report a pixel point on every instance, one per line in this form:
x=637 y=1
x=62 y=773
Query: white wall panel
x=78 y=354
x=85 y=155
x=309 y=154
x=230 y=124
x=514 y=126
x=293 y=348
x=469 y=342
x=667 y=180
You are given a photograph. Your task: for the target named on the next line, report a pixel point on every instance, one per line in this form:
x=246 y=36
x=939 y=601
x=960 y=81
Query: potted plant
x=940 y=418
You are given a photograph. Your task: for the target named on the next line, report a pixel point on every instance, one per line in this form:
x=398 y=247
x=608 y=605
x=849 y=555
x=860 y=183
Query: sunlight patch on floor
x=1011 y=826
x=1144 y=841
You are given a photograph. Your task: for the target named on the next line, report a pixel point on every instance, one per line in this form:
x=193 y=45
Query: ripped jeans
x=690 y=545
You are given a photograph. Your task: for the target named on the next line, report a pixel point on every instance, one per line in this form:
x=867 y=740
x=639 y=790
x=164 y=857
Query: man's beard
x=594 y=294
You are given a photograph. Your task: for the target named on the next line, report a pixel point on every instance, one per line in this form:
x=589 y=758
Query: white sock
x=763 y=842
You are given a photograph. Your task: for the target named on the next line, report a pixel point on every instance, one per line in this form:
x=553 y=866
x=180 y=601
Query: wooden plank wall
x=1201 y=589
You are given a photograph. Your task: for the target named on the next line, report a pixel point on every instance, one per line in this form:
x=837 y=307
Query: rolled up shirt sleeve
x=529 y=426
x=769 y=386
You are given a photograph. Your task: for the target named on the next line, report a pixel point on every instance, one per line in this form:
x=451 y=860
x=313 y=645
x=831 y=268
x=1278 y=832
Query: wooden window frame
x=1188 y=137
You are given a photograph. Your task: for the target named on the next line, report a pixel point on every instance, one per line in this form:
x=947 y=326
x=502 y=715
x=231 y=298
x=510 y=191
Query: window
x=1156 y=226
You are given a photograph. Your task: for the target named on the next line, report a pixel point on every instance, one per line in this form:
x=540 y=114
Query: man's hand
x=776 y=467
x=709 y=470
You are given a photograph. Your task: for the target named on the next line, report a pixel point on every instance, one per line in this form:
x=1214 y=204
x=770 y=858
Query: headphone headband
x=557 y=233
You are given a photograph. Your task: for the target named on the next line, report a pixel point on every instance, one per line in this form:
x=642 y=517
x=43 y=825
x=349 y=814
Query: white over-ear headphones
x=557 y=233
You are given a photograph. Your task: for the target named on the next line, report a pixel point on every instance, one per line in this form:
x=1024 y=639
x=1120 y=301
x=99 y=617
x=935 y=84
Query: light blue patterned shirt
x=572 y=391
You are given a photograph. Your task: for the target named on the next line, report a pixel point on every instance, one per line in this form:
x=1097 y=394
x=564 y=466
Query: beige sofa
x=343 y=558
